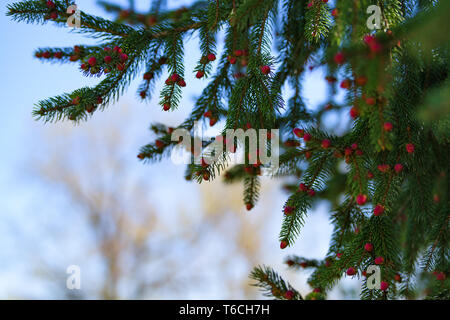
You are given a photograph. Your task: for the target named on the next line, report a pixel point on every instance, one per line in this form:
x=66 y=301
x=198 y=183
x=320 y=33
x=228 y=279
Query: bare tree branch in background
x=141 y=253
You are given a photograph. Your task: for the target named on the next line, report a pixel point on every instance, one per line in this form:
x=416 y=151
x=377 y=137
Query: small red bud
x=299 y=132
x=231 y=59
x=289 y=295
x=212 y=121
x=265 y=70
x=346 y=84
x=387 y=126
x=211 y=57
x=351 y=271
x=148 y=76
x=92 y=61
x=370 y=101
x=378 y=210
x=174 y=77
x=159 y=143
x=354 y=112
x=440 y=276
x=199 y=74
x=326 y=144
x=379 y=260
x=361 y=199
x=410 y=148
x=361 y=81
x=339 y=58
x=348 y=151
x=76 y=100
x=302 y=187
x=288 y=210
x=307 y=137
x=207 y=114
x=54 y=15
x=123 y=57
x=398 y=167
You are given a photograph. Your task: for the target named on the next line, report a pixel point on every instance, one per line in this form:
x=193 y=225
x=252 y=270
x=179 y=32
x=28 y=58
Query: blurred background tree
x=110 y=227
